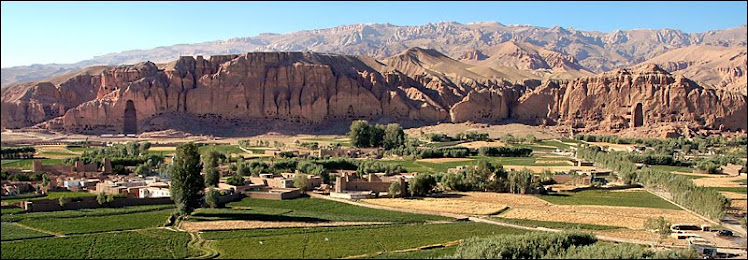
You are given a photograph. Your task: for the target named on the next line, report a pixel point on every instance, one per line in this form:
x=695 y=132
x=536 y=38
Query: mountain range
x=520 y=51
x=446 y=72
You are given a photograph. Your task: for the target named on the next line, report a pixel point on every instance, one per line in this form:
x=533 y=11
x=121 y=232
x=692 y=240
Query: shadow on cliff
x=217 y=126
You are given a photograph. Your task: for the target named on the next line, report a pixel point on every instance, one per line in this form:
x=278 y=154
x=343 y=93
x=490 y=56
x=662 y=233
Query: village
x=122 y=171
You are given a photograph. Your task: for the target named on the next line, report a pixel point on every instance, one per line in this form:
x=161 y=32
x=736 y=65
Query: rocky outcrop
x=305 y=88
x=606 y=101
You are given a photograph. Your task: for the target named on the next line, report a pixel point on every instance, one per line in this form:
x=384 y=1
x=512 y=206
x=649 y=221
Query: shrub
x=211 y=198
x=422 y=185
x=395 y=189
x=236 y=180
x=526 y=246
x=661 y=225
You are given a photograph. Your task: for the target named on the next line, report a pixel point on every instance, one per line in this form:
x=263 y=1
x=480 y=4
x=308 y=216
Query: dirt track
x=254 y=224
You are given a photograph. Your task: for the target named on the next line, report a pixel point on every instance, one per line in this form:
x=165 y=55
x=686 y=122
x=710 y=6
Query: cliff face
x=315 y=89
x=609 y=100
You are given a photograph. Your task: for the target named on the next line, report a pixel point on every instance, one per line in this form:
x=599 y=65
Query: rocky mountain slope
x=594 y=51
x=304 y=88
x=717 y=66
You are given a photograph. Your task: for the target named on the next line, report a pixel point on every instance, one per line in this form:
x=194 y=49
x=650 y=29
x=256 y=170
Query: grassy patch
x=84 y=212
x=436 y=253
x=730 y=189
x=80 y=149
x=151 y=244
x=83 y=225
x=57 y=153
x=743 y=181
x=225 y=149
x=10 y=210
x=10 y=231
x=55 y=195
x=553 y=224
x=443 y=144
x=555 y=143
x=26 y=164
x=309 y=209
x=607 y=198
x=337 y=243
x=673 y=168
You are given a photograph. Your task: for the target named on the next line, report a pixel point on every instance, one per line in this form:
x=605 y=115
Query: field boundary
x=735 y=228
x=483 y=220
x=38 y=229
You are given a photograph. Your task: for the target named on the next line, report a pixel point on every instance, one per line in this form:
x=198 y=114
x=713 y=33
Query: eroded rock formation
x=313 y=89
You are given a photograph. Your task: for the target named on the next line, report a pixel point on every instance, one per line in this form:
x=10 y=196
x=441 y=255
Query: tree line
x=564 y=245
x=26 y=152
x=705 y=201
x=363 y=134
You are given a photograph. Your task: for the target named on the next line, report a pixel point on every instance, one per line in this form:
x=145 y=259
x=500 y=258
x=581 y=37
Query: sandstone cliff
x=316 y=89
x=609 y=100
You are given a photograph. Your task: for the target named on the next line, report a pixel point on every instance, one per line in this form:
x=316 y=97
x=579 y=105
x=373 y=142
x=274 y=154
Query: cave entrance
x=130 y=119
x=637 y=115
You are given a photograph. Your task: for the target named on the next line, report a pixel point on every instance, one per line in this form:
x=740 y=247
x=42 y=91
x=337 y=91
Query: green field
x=55 y=195
x=10 y=210
x=84 y=213
x=26 y=164
x=435 y=253
x=151 y=243
x=673 y=168
x=83 y=225
x=608 y=198
x=53 y=153
x=11 y=231
x=731 y=189
x=555 y=143
x=309 y=209
x=553 y=224
x=416 y=166
x=342 y=242
x=743 y=181
x=79 y=149
x=225 y=149
x=443 y=144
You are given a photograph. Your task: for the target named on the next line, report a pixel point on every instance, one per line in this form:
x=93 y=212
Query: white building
x=154 y=192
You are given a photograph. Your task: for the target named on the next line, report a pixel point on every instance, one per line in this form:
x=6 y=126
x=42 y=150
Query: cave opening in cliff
x=637 y=115
x=130 y=119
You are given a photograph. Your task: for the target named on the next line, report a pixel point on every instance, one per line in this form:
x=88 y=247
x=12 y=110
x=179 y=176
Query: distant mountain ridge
x=594 y=51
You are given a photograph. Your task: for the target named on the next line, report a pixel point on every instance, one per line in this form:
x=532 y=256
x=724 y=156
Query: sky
x=68 y=32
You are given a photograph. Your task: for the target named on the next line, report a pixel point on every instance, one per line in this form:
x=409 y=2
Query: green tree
x=63 y=201
x=659 y=224
x=394 y=137
x=301 y=181
x=101 y=198
x=236 y=180
x=186 y=181
x=422 y=185
x=395 y=189
x=530 y=138
x=211 y=177
x=211 y=198
x=360 y=133
x=143 y=169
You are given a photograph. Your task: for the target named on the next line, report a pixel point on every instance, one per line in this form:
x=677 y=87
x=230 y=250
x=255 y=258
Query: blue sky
x=46 y=32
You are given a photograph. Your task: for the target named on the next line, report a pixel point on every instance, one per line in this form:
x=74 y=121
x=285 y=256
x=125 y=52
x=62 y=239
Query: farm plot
x=343 y=242
x=608 y=198
x=479 y=144
x=151 y=243
x=440 y=205
x=722 y=181
x=310 y=209
x=256 y=224
x=83 y=225
x=12 y=231
x=531 y=207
